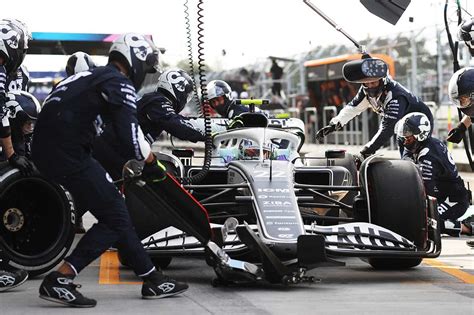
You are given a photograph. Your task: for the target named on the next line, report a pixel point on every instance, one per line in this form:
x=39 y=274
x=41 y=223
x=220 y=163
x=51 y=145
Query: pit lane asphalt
x=438 y=286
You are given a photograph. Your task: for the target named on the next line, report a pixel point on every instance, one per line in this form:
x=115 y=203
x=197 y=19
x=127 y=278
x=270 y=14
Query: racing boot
x=157 y=286
x=59 y=288
x=12 y=279
x=468 y=225
x=451 y=228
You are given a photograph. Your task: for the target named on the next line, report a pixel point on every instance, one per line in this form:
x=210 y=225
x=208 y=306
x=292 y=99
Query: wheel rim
x=33 y=218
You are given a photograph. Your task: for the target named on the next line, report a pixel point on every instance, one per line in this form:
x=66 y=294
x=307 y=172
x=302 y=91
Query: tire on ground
x=398 y=203
x=36 y=222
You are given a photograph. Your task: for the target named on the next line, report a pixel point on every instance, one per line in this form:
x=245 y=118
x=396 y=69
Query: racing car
x=266 y=212
x=263 y=212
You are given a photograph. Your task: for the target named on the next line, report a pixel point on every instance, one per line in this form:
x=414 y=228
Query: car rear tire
x=398 y=203
x=36 y=221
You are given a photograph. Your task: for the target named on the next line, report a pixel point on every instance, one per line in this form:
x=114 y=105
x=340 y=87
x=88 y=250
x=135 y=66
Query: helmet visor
x=465 y=101
x=402 y=130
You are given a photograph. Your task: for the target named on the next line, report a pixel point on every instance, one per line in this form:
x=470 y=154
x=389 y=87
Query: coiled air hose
x=202 y=102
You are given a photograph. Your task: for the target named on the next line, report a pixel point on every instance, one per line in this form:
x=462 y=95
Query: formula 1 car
x=264 y=212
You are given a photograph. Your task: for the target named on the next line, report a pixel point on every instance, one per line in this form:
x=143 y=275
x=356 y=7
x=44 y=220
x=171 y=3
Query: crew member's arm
x=163 y=115
x=393 y=112
x=121 y=98
x=5 y=132
x=430 y=169
x=358 y=104
x=456 y=134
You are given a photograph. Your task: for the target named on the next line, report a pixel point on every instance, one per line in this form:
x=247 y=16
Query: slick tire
x=36 y=221
x=398 y=203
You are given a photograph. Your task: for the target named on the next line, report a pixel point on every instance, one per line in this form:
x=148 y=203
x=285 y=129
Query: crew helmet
x=177 y=84
x=22 y=105
x=461 y=90
x=13 y=46
x=216 y=88
x=412 y=130
x=136 y=52
x=466 y=34
x=78 y=62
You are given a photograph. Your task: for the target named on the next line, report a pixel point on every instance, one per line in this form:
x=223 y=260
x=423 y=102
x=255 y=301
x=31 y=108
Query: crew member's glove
x=326 y=130
x=358 y=159
x=455 y=135
x=236 y=122
x=366 y=152
x=154 y=171
x=25 y=166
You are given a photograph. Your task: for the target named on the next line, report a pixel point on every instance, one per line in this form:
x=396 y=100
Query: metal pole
x=360 y=47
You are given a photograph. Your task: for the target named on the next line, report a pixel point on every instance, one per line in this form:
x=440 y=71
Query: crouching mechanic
x=13 y=47
x=62 y=152
x=439 y=172
x=383 y=95
x=24 y=109
x=157 y=111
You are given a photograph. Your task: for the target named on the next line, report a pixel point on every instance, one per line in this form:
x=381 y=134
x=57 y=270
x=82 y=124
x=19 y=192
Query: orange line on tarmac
x=109 y=272
x=461 y=275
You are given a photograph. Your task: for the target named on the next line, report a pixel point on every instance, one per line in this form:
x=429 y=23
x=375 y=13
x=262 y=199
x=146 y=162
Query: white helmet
x=178 y=85
x=216 y=88
x=412 y=129
x=466 y=34
x=461 y=90
x=138 y=53
x=78 y=62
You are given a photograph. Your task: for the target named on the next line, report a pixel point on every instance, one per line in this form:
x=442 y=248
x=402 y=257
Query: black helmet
x=22 y=105
x=177 y=84
x=78 y=62
x=137 y=53
x=367 y=70
x=216 y=88
x=413 y=129
x=466 y=34
x=13 y=45
x=461 y=90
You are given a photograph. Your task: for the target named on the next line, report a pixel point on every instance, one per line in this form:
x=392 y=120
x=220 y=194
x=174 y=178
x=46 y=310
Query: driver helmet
x=412 y=130
x=78 y=62
x=23 y=107
x=215 y=90
x=461 y=90
x=466 y=34
x=178 y=85
x=251 y=151
x=13 y=45
x=138 y=54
